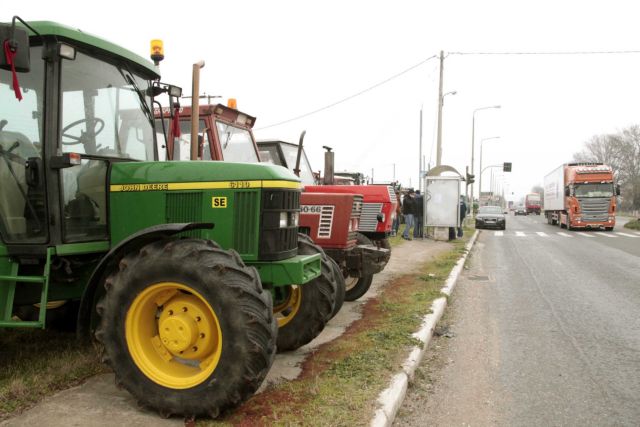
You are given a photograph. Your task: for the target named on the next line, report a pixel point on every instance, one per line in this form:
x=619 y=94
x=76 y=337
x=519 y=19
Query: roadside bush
x=633 y=224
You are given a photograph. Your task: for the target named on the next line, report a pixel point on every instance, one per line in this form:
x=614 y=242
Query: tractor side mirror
x=617 y=189
x=567 y=191
x=18 y=39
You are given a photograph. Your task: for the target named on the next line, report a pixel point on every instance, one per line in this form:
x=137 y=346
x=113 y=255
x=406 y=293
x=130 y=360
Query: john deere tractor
x=174 y=265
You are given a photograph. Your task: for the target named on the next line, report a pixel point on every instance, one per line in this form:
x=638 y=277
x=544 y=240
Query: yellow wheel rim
x=287 y=310
x=350 y=282
x=173 y=335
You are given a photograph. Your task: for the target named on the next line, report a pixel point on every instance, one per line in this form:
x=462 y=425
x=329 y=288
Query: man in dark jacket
x=417 y=230
x=408 y=210
x=463 y=214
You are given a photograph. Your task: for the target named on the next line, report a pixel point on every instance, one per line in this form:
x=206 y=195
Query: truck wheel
x=187 y=327
x=302 y=311
x=358 y=286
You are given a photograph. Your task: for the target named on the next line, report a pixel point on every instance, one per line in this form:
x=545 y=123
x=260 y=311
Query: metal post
x=420 y=154
x=195 y=109
x=473 y=136
x=440 y=102
x=466 y=192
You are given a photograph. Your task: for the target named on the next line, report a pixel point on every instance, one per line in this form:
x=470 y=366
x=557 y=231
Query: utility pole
x=440 y=102
x=420 y=154
x=394 y=172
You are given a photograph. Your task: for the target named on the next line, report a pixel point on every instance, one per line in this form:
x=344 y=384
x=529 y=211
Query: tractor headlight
x=295 y=219
x=284 y=220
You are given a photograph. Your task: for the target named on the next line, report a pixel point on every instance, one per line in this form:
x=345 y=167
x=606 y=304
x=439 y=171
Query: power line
x=326 y=107
x=587 y=52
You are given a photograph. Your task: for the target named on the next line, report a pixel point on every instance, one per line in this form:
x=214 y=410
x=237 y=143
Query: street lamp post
x=480 y=177
x=473 y=130
x=439 y=139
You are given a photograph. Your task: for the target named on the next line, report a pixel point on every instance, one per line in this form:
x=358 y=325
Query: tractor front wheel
x=358 y=286
x=187 y=327
x=302 y=311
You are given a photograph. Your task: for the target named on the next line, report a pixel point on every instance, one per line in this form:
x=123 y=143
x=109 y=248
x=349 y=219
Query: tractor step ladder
x=7 y=292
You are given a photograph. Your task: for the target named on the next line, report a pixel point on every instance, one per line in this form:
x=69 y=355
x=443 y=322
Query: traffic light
x=506 y=167
x=470 y=178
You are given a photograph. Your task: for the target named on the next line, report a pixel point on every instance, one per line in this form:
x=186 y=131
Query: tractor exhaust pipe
x=195 y=109
x=296 y=170
x=328 y=166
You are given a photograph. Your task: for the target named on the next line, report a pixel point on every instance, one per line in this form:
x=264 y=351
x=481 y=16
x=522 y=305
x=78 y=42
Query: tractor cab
x=61 y=126
x=286 y=154
x=223 y=134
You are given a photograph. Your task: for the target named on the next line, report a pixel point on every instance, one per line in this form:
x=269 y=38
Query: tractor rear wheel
x=358 y=286
x=340 y=286
x=302 y=311
x=187 y=327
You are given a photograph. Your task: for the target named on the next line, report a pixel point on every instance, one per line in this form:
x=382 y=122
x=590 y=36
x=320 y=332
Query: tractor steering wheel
x=78 y=139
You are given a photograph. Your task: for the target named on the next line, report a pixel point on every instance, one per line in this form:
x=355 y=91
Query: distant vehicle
x=511 y=205
x=491 y=217
x=532 y=203
x=520 y=210
x=581 y=196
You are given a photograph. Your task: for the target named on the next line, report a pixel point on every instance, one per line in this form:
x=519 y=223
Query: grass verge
x=342 y=379
x=37 y=363
x=634 y=224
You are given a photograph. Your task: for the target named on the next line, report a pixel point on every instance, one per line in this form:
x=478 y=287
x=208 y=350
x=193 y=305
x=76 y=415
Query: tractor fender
x=92 y=291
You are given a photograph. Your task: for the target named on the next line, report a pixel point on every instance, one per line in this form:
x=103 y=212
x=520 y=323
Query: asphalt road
x=545 y=328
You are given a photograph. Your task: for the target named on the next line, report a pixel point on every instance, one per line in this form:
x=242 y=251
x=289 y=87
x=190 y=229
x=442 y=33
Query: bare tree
x=628 y=142
x=621 y=151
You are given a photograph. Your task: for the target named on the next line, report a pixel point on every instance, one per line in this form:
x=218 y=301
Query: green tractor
x=174 y=266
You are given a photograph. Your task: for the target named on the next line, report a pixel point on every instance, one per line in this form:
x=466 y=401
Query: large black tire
x=340 y=287
x=358 y=286
x=384 y=243
x=304 y=310
x=229 y=312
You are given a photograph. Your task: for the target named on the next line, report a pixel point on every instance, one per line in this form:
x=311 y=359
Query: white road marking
x=542 y=234
x=564 y=234
x=586 y=234
x=520 y=234
x=637 y=232
x=499 y=233
x=626 y=235
x=605 y=234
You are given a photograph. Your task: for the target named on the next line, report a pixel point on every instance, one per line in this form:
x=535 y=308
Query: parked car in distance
x=520 y=210
x=491 y=217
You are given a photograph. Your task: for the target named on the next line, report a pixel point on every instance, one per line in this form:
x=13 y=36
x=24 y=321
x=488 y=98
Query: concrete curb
x=391 y=398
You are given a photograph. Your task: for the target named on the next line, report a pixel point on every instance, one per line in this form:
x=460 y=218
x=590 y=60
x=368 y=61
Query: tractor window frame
x=100 y=162
x=20 y=148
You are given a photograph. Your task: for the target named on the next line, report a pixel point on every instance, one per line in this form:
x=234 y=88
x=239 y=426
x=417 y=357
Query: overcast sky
x=281 y=59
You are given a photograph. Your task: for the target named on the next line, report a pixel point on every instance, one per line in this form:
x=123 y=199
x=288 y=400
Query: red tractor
x=330 y=218
x=376 y=219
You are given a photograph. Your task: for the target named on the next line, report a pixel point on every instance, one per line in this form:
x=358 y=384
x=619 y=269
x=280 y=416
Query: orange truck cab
x=581 y=196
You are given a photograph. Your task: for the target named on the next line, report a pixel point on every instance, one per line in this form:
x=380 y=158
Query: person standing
x=463 y=214
x=408 y=210
x=396 y=219
x=418 y=229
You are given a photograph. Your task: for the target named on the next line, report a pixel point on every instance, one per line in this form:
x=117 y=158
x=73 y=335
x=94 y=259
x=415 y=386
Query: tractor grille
x=392 y=194
x=594 y=209
x=326 y=222
x=356 y=214
x=244 y=222
x=369 y=217
x=184 y=207
x=278 y=243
